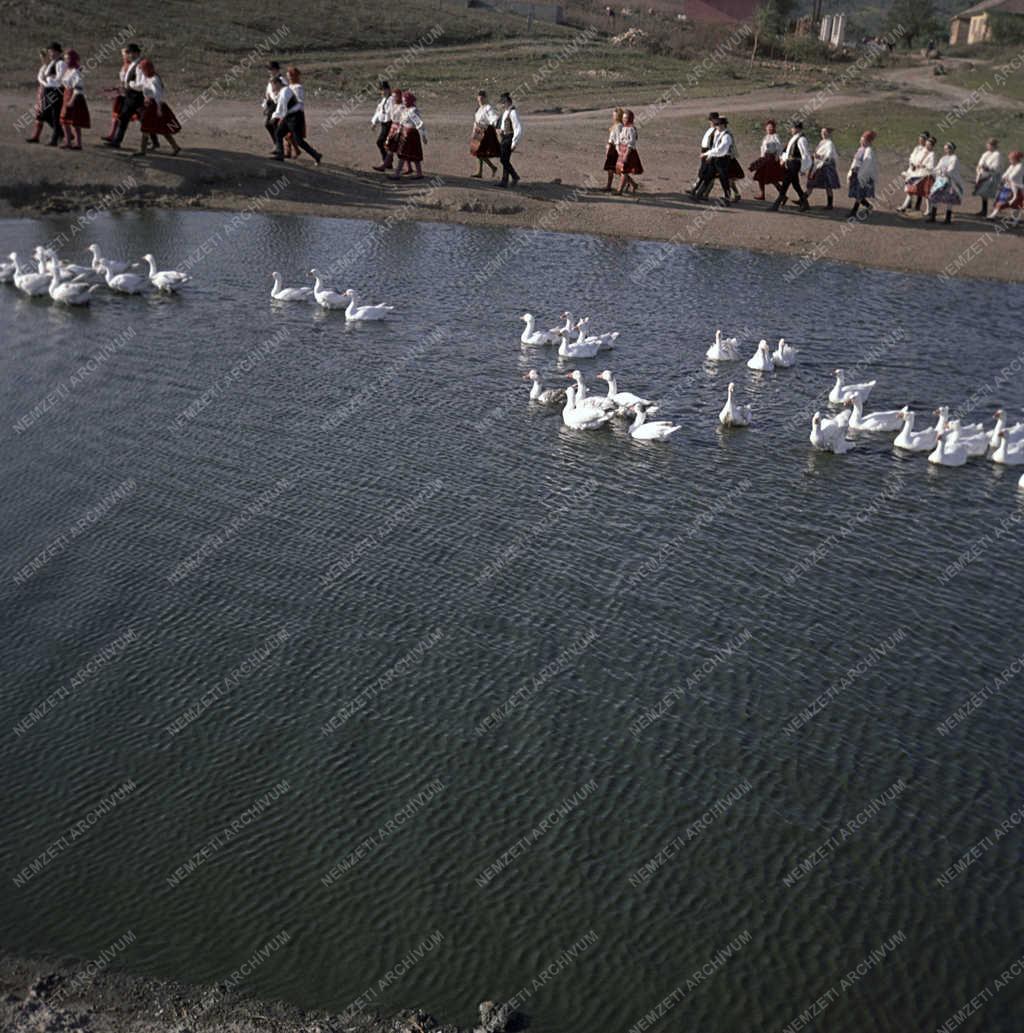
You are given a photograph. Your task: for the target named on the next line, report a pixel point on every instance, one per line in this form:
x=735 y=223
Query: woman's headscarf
x=409 y=99
x=72 y=60
x=1016 y=157
x=146 y=67
x=627 y=117
x=868 y=137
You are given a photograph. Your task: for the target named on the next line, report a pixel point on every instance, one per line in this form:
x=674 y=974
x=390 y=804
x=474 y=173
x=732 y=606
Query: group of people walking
x=62 y=106
x=401 y=132
x=284 y=113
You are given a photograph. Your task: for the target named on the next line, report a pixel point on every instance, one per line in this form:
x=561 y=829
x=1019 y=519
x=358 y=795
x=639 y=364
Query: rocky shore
x=59 y=996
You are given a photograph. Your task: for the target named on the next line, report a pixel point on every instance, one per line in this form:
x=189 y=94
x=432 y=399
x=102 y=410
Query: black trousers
x=722 y=171
x=131 y=103
x=791 y=178
x=49 y=112
x=291 y=123
x=268 y=122
x=506 y=160
x=382 y=135
x=705 y=176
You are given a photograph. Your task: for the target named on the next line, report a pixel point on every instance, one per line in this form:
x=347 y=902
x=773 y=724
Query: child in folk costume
x=988 y=175
x=949 y=186
x=919 y=174
x=395 y=131
x=157 y=117
x=629 y=164
x=823 y=171
x=411 y=138
x=484 y=144
x=382 y=120
x=74 y=112
x=863 y=173
x=611 y=154
x=49 y=95
x=768 y=168
x=1011 y=190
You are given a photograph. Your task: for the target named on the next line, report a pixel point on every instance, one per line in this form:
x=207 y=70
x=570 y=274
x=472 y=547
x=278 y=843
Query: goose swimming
x=356 y=313
x=167 y=281
x=890 y=419
x=1013 y=434
x=540 y=395
x=725 y=349
x=124 y=283
x=947 y=453
x=914 y=441
x=828 y=436
x=784 y=354
x=658 y=430
x=733 y=415
x=325 y=297
x=33 y=284
x=1007 y=454
x=842 y=392
x=622 y=399
x=761 y=360
x=534 y=337
x=586 y=418
x=69 y=293
x=98 y=260
x=281 y=293
x=600 y=402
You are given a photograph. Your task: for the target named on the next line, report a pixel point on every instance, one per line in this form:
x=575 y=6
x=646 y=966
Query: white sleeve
x=517 y=128
x=805 y=154
x=282 y=102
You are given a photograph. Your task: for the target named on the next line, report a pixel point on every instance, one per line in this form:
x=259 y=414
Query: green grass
x=997 y=77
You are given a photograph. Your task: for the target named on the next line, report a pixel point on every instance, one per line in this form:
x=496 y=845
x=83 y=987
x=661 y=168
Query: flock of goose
x=948 y=443
x=70 y=284
x=328 y=298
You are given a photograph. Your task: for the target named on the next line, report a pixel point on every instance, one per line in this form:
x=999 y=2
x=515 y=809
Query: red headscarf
x=146 y=67
x=627 y=117
x=1015 y=157
x=869 y=136
x=72 y=59
x=409 y=99
x=397 y=95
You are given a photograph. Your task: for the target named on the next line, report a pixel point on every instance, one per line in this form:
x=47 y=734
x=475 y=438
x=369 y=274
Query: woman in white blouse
x=157 y=116
x=863 y=173
x=412 y=136
x=823 y=172
x=484 y=143
x=768 y=168
x=74 y=111
x=949 y=186
x=611 y=154
x=629 y=164
x=1011 y=192
x=988 y=175
x=49 y=94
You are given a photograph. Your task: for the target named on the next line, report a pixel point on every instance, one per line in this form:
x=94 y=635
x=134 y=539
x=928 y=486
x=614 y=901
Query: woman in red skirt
x=629 y=164
x=484 y=143
x=768 y=168
x=157 y=117
x=411 y=138
x=611 y=155
x=74 y=112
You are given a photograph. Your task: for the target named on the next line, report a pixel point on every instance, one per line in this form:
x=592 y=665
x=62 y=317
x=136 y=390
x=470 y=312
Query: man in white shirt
x=49 y=78
x=382 y=120
x=510 y=132
x=718 y=156
x=796 y=159
x=270 y=98
x=706 y=174
x=131 y=94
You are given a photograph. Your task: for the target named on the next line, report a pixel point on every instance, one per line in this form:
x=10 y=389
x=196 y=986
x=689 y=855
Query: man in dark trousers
x=706 y=175
x=52 y=95
x=796 y=159
x=382 y=120
x=510 y=131
x=270 y=98
x=718 y=159
x=131 y=96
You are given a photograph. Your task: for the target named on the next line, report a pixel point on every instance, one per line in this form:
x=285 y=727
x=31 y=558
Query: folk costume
x=484 y=144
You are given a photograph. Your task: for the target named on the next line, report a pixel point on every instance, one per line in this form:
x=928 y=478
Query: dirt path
x=225 y=166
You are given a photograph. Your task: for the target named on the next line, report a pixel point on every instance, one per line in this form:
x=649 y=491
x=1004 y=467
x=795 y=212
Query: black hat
x=57 y=47
x=721 y=121
x=507 y=97
x=796 y=124
x=384 y=85
x=273 y=66
x=133 y=48
x=713 y=116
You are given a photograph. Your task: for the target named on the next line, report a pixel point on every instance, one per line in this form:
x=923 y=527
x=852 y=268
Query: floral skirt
x=409 y=146
x=943 y=192
x=823 y=176
x=1006 y=198
x=75 y=111
x=919 y=186
x=860 y=191
x=629 y=163
x=484 y=143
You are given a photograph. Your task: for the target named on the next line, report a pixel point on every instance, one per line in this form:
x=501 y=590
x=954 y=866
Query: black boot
x=984 y=207
x=931 y=215
x=949 y=216
x=917 y=203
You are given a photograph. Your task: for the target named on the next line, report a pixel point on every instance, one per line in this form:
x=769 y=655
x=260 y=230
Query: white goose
x=534 y=337
x=622 y=399
x=784 y=355
x=828 y=436
x=540 y=395
x=1020 y=483
x=581 y=348
x=942 y=423
x=586 y=418
x=356 y=313
x=733 y=415
x=658 y=430
x=725 y=349
x=31 y=283
x=583 y=399
x=69 y=293
x=167 y=281
x=112 y=264
x=281 y=293
x=889 y=419
x=7 y=271
x=325 y=297
x=605 y=342
x=1013 y=434
x=761 y=360
x=911 y=441
x=976 y=444
x=1007 y=454
x=842 y=392
x=947 y=453
x=124 y=283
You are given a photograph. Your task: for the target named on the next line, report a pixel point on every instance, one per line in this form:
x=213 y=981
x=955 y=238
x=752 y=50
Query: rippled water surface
x=480 y=615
